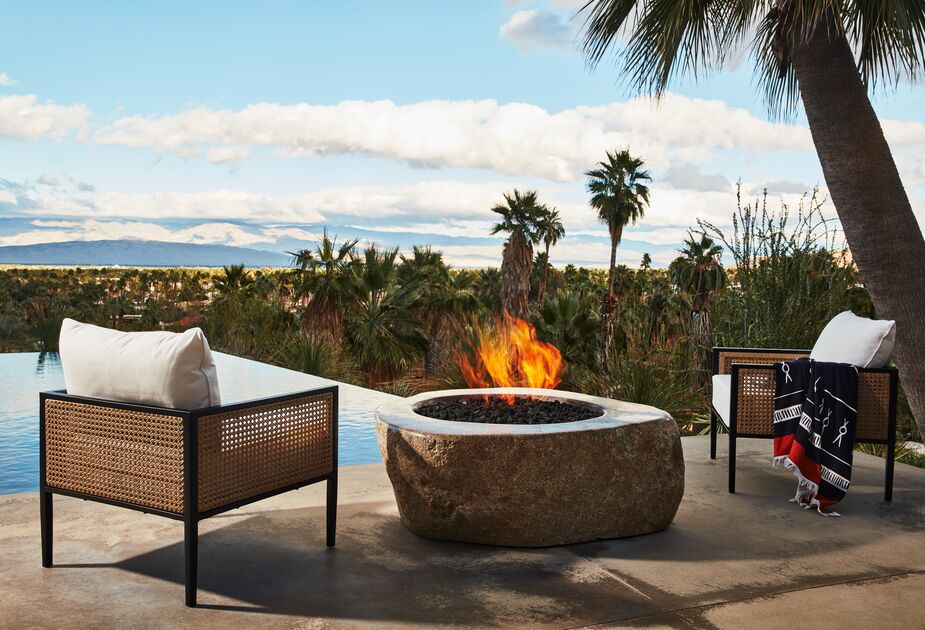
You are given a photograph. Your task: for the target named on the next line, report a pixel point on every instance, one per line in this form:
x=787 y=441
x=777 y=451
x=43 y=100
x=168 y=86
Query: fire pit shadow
x=619 y=473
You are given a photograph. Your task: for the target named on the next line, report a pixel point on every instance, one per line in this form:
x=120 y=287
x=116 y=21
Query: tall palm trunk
x=516 y=262
x=885 y=238
x=608 y=303
x=544 y=280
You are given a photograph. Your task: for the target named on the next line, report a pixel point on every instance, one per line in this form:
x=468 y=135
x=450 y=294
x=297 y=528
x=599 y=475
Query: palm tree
x=324 y=277
x=442 y=300
x=698 y=272
x=549 y=230
x=567 y=321
x=519 y=214
x=234 y=280
x=386 y=338
x=646 y=262
x=620 y=197
x=826 y=54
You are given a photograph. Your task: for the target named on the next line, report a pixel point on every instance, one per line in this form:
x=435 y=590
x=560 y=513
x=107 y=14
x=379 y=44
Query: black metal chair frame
x=715 y=421
x=190 y=516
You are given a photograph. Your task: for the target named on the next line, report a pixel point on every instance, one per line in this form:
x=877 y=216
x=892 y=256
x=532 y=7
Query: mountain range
x=137 y=253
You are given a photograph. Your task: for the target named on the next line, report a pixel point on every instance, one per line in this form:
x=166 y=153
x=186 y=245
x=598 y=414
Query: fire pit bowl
x=617 y=472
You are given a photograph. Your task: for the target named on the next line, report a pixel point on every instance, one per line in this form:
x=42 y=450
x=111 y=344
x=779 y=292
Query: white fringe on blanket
x=806 y=489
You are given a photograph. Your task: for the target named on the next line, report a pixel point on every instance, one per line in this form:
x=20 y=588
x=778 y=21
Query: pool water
x=24 y=374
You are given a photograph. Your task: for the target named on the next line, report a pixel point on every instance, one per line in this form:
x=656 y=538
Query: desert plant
x=620 y=196
x=519 y=214
x=827 y=54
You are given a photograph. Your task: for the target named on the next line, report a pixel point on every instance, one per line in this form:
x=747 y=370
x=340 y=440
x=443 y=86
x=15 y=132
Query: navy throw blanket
x=815 y=413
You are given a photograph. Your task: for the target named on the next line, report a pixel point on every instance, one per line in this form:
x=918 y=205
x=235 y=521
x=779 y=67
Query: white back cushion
x=165 y=369
x=857 y=340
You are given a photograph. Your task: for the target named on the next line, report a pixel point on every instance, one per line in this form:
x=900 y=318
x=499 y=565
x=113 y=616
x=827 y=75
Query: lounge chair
x=744 y=389
x=186 y=463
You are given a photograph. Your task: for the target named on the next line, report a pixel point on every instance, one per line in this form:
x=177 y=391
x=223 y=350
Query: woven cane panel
x=726 y=359
x=873 y=406
x=755 y=407
x=115 y=453
x=259 y=449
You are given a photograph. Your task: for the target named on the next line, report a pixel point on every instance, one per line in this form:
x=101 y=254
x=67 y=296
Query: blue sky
x=401 y=123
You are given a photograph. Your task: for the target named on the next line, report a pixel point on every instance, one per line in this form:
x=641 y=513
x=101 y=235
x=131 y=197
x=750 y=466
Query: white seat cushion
x=859 y=341
x=165 y=369
x=722 y=394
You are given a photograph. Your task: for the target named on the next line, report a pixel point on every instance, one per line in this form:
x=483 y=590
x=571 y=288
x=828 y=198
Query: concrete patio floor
x=749 y=560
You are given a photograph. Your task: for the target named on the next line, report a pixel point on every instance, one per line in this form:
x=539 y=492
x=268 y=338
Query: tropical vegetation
x=407 y=321
x=827 y=55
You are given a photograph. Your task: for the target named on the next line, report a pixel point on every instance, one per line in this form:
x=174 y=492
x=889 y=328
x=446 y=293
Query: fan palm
x=442 y=300
x=324 y=278
x=519 y=215
x=698 y=272
x=826 y=54
x=233 y=280
x=620 y=196
x=386 y=337
x=567 y=322
x=549 y=230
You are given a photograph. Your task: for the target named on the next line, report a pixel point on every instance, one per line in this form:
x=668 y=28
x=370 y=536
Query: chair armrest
x=752 y=401
x=724 y=357
x=140 y=455
x=258 y=447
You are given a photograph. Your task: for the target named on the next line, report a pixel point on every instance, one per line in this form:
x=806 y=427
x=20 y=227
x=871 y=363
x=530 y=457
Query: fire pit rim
x=400 y=414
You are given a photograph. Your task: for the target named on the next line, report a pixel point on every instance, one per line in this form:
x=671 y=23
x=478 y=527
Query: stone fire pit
x=618 y=474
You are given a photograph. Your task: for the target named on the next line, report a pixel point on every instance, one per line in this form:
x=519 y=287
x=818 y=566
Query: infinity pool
x=24 y=374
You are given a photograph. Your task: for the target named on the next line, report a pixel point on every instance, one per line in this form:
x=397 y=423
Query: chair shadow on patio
x=275 y=562
x=266 y=562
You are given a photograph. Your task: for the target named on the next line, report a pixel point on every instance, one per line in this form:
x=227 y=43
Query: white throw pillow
x=857 y=340
x=165 y=369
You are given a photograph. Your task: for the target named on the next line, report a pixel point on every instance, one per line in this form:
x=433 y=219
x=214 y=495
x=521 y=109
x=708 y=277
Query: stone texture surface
x=536 y=490
x=745 y=560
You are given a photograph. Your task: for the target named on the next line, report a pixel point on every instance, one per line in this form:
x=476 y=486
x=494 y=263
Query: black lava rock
x=495 y=410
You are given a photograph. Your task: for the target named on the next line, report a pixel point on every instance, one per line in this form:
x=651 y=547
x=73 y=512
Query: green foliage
x=904 y=452
x=618 y=192
x=569 y=322
x=400 y=323
x=791 y=274
x=320 y=356
x=44 y=319
x=660 y=41
x=649 y=379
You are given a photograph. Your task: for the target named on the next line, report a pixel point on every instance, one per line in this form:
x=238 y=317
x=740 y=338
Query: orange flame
x=512 y=356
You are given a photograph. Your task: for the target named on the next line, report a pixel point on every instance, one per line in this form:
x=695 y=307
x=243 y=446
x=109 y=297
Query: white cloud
x=23 y=117
x=433 y=208
x=48 y=180
x=232 y=156
x=512 y=138
x=6 y=80
x=532 y=29
x=94 y=230
x=278 y=232
x=572 y=6
x=688 y=176
x=776 y=187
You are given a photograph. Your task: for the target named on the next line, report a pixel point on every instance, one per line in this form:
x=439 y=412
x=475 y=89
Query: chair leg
x=713 y=429
x=191 y=553
x=890 y=457
x=332 y=508
x=47 y=527
x=732 y=462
